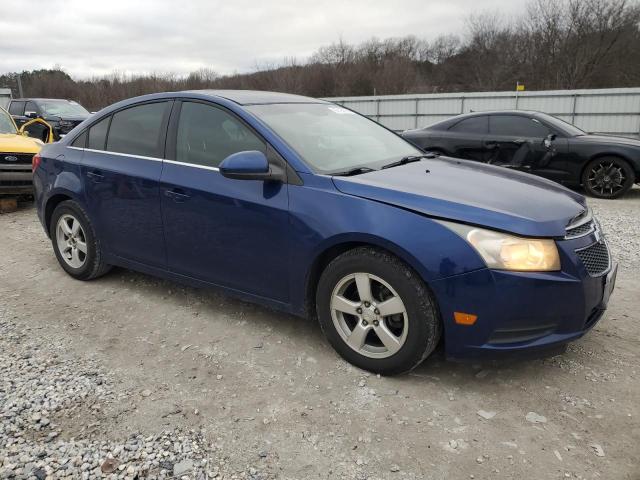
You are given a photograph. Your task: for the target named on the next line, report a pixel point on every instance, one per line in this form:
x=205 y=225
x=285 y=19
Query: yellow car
x=16 y=151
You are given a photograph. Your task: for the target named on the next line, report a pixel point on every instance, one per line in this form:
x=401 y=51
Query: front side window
x=6 y=123
x=16 y=108
x=477 y=125
x=30 y=108
x=137 y=130
x=207 y=135
x=330 y=138
x=517 y=126
x=98 y=134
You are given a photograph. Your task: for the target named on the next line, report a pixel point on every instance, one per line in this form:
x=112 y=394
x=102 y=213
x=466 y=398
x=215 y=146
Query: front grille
x=595 y=258
x=580 y=230
x=21 y=158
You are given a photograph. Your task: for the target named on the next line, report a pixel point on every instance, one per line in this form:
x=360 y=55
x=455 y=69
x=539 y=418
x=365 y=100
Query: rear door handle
x=176 y=195
x=95 y=176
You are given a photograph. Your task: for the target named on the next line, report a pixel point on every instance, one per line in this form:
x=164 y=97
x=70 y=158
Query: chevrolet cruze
x=310 y=208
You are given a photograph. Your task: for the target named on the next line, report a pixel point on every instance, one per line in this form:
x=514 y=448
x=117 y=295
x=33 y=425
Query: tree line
x=554 y=44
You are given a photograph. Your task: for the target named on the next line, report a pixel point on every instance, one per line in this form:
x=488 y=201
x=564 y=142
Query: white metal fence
x=614 y=111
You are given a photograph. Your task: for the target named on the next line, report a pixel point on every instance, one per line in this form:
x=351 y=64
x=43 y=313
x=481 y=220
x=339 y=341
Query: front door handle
x=95 y=176
x=176 y=195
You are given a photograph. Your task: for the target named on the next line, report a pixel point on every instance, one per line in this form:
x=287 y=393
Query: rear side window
x=207 y=135
x=98 y=134
x=517 y=126
x=137 y=130
x=472 y=125
x=30 y=108
x=16 y=108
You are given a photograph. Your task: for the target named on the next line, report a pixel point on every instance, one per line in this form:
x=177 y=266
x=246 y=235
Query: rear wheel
x=377 y=312
x=607 y=177
x=74 y=242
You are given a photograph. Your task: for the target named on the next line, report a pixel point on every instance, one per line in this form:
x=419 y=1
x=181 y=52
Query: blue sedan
x=310 y=208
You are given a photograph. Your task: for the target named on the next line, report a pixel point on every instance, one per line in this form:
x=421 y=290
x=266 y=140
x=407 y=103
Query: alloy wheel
x=607 y=178
x=369 y=315
x=71 y=240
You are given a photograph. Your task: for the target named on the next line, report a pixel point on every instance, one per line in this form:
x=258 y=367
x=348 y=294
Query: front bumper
x=16 y=179
x=526 y=313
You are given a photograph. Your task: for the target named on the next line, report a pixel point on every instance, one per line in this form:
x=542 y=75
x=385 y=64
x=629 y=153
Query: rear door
x=121 y=168
x=465 y=138
x=228 y=232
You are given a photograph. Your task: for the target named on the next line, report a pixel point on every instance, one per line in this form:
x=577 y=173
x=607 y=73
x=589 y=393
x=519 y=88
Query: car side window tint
x=30 y=107
x=80 y=141
x=471 y=125
x=207 y=135
x=98 y=134
x=517 y=126
x=137 y=130
x=16 y=108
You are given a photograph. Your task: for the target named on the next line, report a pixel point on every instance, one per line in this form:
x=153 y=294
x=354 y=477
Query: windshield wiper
x=408 y=159
x=354 y=171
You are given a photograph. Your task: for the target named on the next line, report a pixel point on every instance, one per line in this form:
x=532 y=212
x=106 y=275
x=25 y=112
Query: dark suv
x=61 y=114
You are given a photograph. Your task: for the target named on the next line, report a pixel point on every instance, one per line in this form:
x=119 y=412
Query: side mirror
x=549 y=139
x=248 y=165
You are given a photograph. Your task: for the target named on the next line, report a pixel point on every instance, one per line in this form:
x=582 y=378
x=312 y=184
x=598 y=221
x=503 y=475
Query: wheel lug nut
x=377 y=312
x=367 y=304
x=376 y=323
x=365 y=323
x=359 y=310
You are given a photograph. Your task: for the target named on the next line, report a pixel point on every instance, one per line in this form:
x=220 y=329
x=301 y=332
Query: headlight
x=508 y=252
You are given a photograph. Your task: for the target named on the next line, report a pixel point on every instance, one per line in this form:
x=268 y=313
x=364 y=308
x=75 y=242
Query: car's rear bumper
x=528 y=314
x=16 y=179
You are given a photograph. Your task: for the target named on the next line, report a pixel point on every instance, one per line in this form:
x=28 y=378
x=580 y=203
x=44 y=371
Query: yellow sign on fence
x=519 y=87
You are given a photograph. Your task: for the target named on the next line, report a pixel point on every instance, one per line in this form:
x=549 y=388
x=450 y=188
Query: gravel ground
x=134 y=377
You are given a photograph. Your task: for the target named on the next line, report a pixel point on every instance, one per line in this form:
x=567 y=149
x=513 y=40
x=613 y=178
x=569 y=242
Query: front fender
x=323 y=218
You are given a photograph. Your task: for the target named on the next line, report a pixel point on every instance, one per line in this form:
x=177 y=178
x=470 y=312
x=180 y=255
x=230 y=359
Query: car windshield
x=6 y=124
x=62 y=108
x=332 y=139
x=566 y=127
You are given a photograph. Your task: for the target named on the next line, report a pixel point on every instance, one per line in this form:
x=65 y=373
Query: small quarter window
x=98 y=134
x=80 y=141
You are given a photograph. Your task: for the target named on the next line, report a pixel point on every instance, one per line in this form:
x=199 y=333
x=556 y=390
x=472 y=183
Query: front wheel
x=607 y=177
x=377 y=312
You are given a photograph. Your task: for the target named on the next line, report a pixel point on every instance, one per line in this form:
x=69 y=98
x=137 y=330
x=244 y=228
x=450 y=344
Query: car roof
x=256 y=97
x=443 y=124
x=41 y=99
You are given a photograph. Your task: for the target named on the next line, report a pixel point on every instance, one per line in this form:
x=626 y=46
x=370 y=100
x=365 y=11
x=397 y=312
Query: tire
x=415 y=328
x=68 y=245
x=607 y=177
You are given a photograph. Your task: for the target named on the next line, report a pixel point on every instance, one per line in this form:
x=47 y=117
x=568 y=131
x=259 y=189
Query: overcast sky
x=90 y=37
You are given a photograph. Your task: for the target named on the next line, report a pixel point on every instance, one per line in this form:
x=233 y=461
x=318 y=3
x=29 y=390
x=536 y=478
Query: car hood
x=473 y=193
x=608 y=139
x=11 y=143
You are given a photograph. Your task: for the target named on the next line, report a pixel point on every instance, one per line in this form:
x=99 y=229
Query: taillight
x=35 y=162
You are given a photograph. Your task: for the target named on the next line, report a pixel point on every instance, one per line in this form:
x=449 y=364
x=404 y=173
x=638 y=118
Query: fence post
x=462 y=104
x=573 y=109
x=378 y=110
x=415 y=118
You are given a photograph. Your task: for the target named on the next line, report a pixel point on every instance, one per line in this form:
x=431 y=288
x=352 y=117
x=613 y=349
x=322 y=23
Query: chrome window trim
x=193 y=165
x=173 y=162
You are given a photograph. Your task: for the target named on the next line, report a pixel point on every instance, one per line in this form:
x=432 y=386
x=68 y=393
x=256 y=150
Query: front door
x=232 y=233
x=121 y=167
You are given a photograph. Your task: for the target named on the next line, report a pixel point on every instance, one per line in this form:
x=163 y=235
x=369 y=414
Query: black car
x=606 y=166
x=61 y=114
